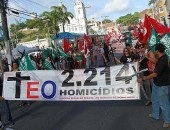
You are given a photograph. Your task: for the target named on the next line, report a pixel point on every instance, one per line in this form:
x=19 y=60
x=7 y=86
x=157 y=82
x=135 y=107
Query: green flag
x=129 y=38
x=165 y=24
x=61 y=52
x=47 y=65
x=26 y=64
x=153 y=39
x=54 y=51
x=46 y=53
x=165 y=40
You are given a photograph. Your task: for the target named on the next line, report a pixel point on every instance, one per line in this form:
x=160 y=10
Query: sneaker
x=150 y=116
x=148 y=103
x=1 y=127
x=165 y=125
x=10 y=123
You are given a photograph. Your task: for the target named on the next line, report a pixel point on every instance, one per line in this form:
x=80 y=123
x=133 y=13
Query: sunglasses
x=125 y=51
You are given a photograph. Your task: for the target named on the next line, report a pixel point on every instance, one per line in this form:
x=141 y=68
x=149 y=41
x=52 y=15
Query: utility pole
x=3 y=6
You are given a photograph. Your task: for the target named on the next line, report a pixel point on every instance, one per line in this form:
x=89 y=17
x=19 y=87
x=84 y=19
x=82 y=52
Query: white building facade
x=79 y=23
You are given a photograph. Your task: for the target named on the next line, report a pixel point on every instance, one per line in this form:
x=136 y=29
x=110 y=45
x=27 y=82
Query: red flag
x=148 y=23
x=66 y=45
x=80 y=44
x=140 y=25
x=147 y=28
x=160 y=28
x=135 y=32
x=87 y=42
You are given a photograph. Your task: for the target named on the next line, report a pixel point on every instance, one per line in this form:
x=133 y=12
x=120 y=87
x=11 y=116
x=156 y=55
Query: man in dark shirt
x=160 y=99
x=143 y=65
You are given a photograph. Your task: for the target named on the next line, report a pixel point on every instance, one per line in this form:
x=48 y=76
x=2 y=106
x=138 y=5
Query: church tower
x=80 y=11
x=80 y=14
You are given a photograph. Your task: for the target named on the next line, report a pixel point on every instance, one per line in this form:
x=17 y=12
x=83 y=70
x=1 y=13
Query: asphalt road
x=99 y=115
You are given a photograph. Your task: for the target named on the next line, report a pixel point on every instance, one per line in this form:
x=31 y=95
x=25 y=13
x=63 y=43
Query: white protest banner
x=110 y=83
x=118 y=47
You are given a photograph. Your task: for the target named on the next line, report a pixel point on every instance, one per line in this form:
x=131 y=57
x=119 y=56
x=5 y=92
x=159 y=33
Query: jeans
x=57 y=65
x=88 y=62
x=147 y=86
x=160 y=100
x=7 y=110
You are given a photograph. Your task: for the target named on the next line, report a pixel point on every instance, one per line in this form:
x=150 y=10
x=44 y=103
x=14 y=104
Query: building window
x=161 y=19
x=78 y=11
x=72 y=28
x=160 y=9
x=75 y=29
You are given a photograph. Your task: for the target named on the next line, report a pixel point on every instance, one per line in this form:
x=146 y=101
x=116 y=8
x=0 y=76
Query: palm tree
x=53 y=24
x=56 y=15
x=63 y=16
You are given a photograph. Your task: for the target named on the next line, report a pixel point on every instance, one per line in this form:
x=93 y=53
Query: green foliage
x=48 y=23
x=2 y=45
x=129 y=19
x=106 y=21
x=20 y=35
x=151 y=2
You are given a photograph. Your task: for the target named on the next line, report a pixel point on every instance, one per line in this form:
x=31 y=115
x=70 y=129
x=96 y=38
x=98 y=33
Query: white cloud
x=113 y=6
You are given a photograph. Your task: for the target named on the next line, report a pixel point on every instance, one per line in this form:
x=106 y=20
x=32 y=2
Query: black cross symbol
x=18 y=80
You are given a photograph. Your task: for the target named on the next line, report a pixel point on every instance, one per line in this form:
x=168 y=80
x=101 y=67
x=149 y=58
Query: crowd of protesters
x=99 y=55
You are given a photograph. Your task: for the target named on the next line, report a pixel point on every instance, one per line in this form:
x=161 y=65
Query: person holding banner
x=15 y=67
x=143 y=65
x=126 y=57
x=6 y=107
x=161 y=84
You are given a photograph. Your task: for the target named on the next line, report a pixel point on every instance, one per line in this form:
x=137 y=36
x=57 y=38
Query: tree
x=129 y=19
x=48 y=23
x=106 y=21
x=20 y=35
x=151 y=2
x=62 y=16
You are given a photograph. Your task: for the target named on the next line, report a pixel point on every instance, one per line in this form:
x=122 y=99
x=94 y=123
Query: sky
x=112 y=8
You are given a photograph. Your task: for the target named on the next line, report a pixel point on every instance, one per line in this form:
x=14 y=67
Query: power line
x=37 y=4
x=16 y=16
x=10 y=8
x=16 y=11
x=20 y=6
